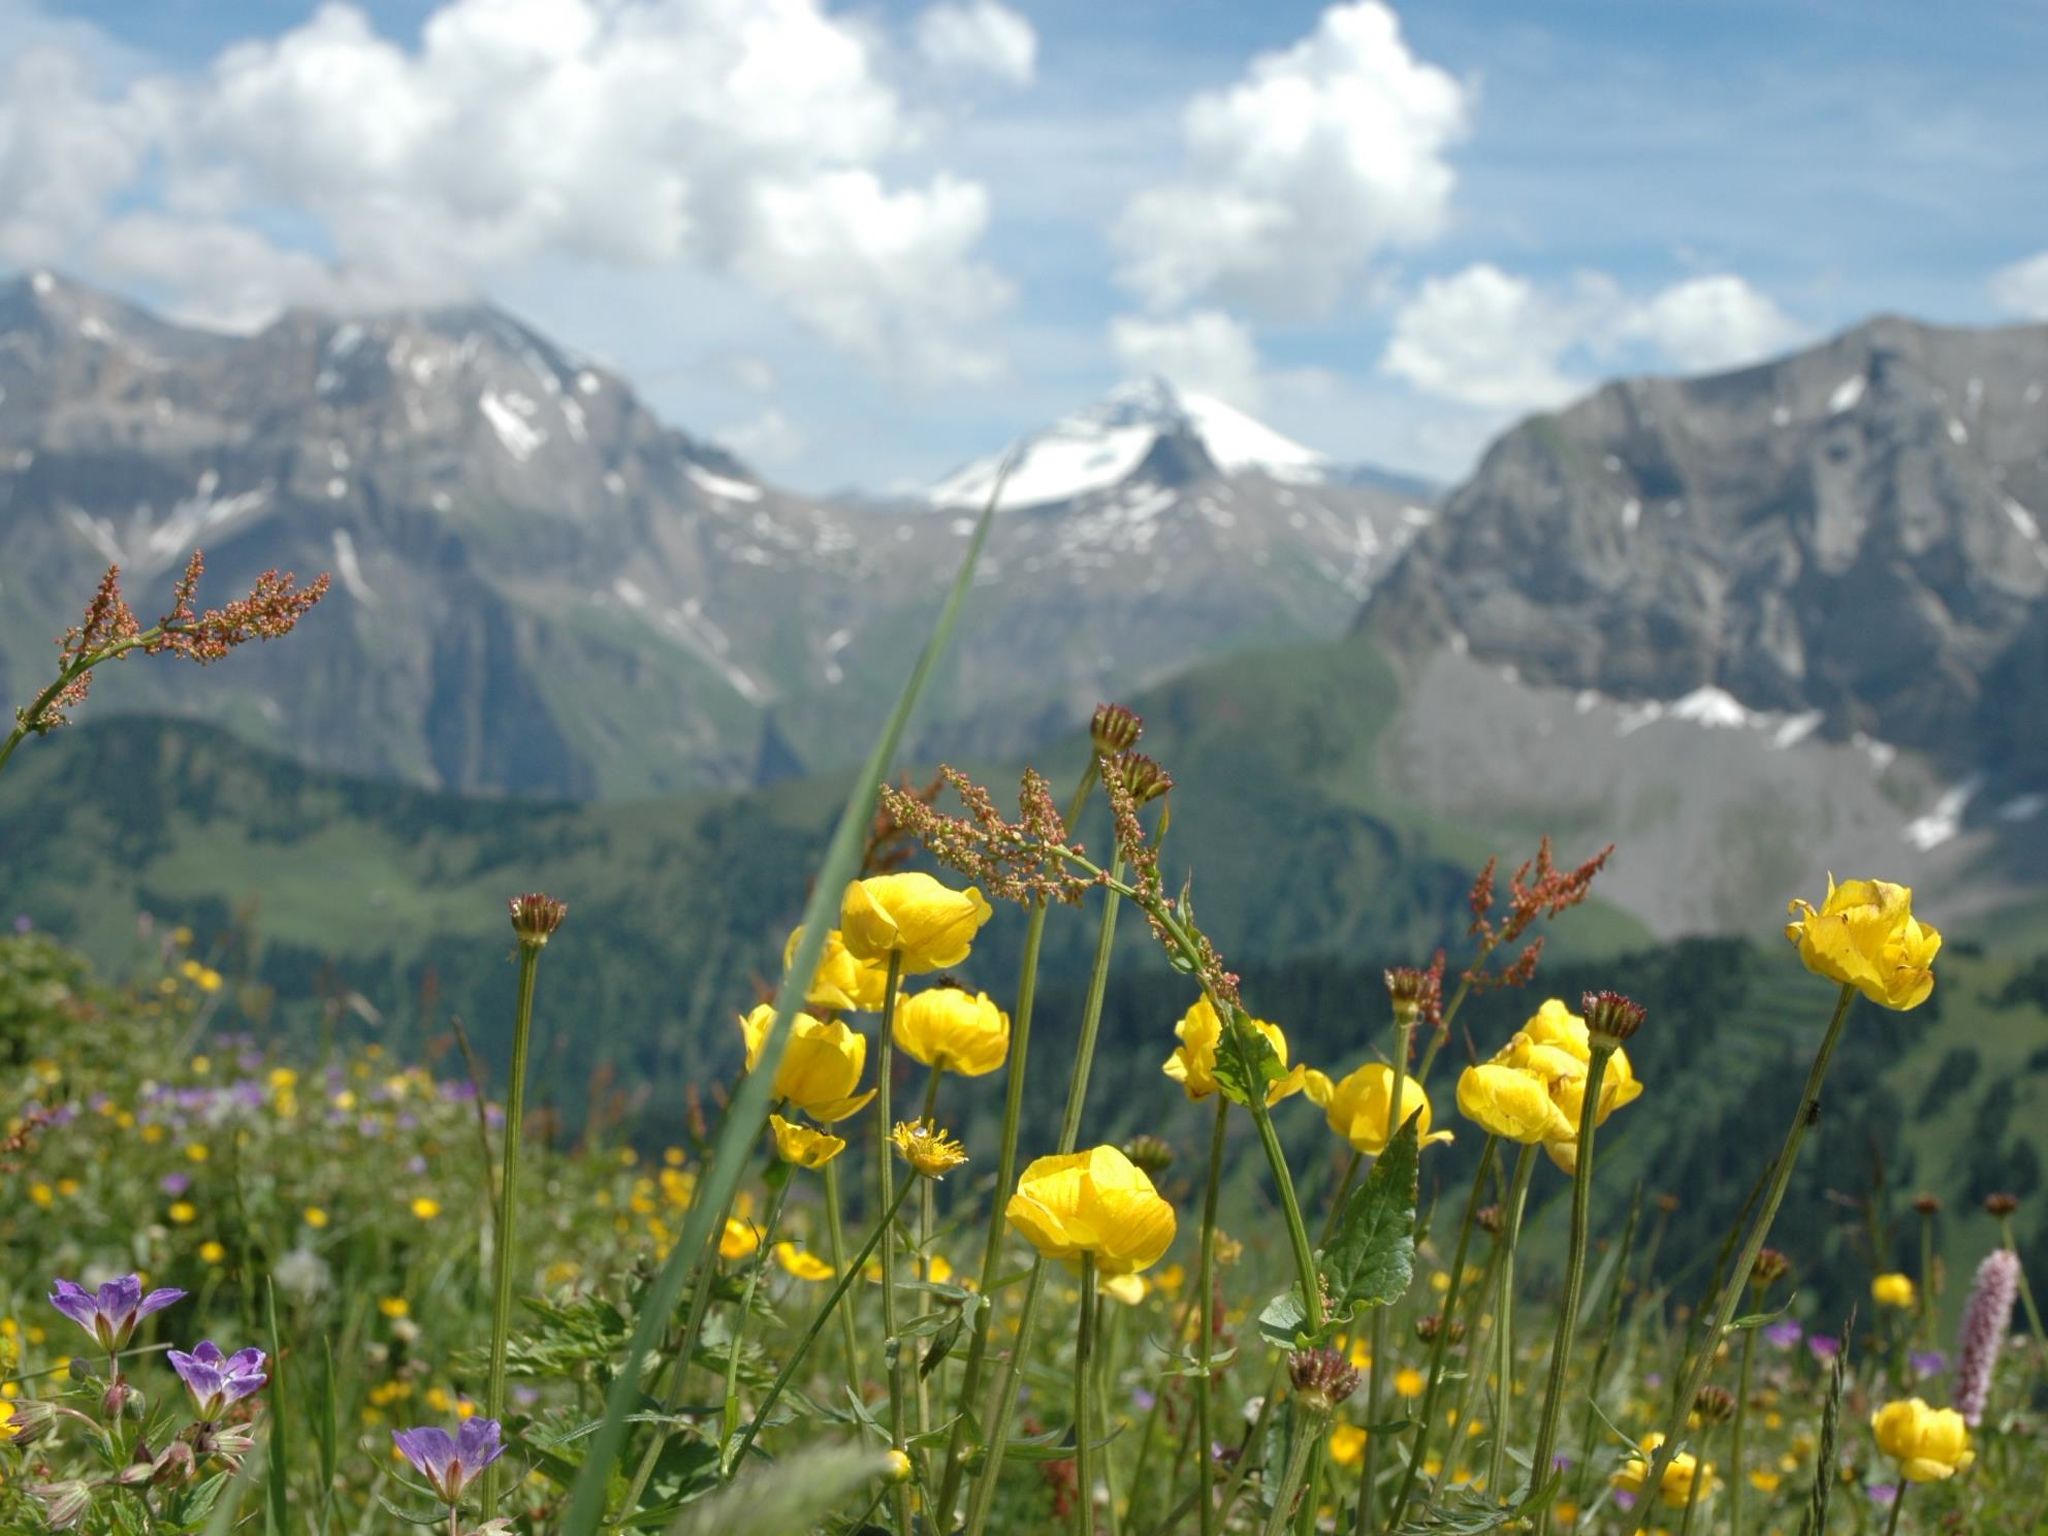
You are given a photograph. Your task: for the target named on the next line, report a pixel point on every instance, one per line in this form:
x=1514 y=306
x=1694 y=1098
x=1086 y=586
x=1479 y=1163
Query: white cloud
x=1709 y=323
x=1488 y=338
x=979 y=38
x=770 y=438
x=64 y=152
x=2023 y=287
x=1324 y=155
x=746 y=137
x=1207 y=351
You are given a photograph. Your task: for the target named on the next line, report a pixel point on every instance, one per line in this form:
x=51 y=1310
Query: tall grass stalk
x=835 y=1236
x=730 y=1422
x=507 y=1236
x=885 y=1175
x=1404 y=1033
x=1084 y=1373
x=1504 y=1324
x=1205 y=1347
x=1724 y=1312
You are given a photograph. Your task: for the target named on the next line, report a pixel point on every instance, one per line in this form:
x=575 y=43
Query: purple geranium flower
x=110 y=1315
x=1928 y=1362
x=446 y=1461
x=1824 y=1346
x=1784 y=1333
x=215 y=1379
x=1883 y=1495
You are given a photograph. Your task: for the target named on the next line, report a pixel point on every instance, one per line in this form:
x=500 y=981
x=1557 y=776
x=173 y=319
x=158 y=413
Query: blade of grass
x=275 y=1520
x=222 y=1518
x=748 y=1115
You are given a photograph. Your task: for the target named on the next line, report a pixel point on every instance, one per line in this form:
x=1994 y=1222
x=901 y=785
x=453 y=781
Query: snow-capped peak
x=1104 y=444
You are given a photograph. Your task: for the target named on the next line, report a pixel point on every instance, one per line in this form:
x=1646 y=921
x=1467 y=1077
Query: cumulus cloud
x=64 y=153
x=980 y=38
x=747 y=137
x=1296 y=177
x=2023 y=287
x=1488 y=338
x=1207 y=351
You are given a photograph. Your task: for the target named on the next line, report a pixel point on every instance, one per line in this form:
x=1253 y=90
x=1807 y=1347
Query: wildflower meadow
x=882 y=1278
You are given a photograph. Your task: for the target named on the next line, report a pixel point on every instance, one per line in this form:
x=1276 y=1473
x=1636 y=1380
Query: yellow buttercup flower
x=426 y=1207
x=954 y=1031
x=739 y=1239
x=1097 y=1202
x=1552 y=1049
x=1409 y=1382
x=1131 y=1290
x=931 y=925
x=841 y=982
x=930 y=1152
x=184 y=1212
x=1893 y=1290
x=1359 y=1105
x=803 y=1265
x=394 y=1306
x=211 y=1253
x=1511 y=1104
x=1865 y=936
x=1347 y=1445
x=1676 y=1488
x=794 y=1143
x=820 y=1067
x=1929 y=1444
x=1193 y=1063
x=314 y=1217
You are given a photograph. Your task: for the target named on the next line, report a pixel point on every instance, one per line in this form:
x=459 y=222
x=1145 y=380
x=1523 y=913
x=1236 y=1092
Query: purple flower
x=1824 y=1347
x=1784 y=1333
x=1986 y=1321
x=1928 y=1362
x=23 y=922
x=1142 y=1400
x=174 y=1184
x=215 y=1379
x=1883 y=1494
x=110 y=1315
x=448 y=1462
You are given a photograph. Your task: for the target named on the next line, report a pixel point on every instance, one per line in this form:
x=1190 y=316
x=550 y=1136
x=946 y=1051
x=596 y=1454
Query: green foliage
x=1371 y=1259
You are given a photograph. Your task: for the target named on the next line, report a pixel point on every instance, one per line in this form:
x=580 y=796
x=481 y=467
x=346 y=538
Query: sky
x=863 y=243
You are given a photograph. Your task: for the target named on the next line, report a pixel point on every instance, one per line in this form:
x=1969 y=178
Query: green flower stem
x=1504 y=1322
x=1084 y=1351
x=1692 y=1489
x=1439 y=1348
x=29 y=721
x=1891 y=1526
x=1252 y=1436
x=1105 y=1379
x=508 y=1202
x=1574 y=1278
x=1404 y=1033
x=997 y=1417
x=1343 y=1192
x=835 y=1232
x=2026 y=1294
x=1205 y=1281
x=1616 y=1294
x=1745 y=1264
x=730 y=1423
x=1926 y=1278
x=848 y=1274
x=1478 y=1338
x=885 y=1178
x=1308 y=1434
x=1290 y=1207
x=1737 y=1438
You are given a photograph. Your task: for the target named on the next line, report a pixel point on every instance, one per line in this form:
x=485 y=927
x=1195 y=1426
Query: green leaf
x=1371 y=1257
x=276 y=1520
x=1464 y=1513
x=1282 y=1320
x=1246 y=1062
x=747 y=1116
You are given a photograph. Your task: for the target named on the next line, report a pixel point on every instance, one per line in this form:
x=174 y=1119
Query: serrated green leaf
x=1246 y=1061
x=1282 y=1319
x=1371 y=1257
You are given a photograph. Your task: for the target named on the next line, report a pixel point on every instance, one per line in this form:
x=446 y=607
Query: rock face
x=540 y=589
x=1851 y=531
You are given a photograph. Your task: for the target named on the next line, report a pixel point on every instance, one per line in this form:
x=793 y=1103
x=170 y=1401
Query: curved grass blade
x=748 y=1115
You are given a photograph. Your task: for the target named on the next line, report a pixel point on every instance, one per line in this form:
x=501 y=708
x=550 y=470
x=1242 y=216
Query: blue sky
x=874 y=241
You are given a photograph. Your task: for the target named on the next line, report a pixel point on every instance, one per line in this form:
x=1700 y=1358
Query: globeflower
x=1929 y=1444
x=1193 y=1063
x=841 y=982
x=802 y=1265
x=1553 y=1050
x=821 y=1066
x=1893 y=1290
x=929 y=924
x=450 y=1462
x=952 y=1031
x=111 y=1313
x=1865 y=936
x=1676 y=1488
x=1097 y=1203
x=802 y=1145
x=1511 y=1104
x=216 y=1380
x=1359 y=1105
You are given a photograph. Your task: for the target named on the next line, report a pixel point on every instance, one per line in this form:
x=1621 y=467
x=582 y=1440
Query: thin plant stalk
x=1737 y=1436
x=1205 y=1279
x=730 y=1422
x=847 y=1275
x=1404 y=1031
x=1745 y=1264
x=1503 y=1321
x=927 y=1221
x=835 y=1234
x=1891 y=1526
x=2026 y=1292
x=1574 y=1278
x=508 y=1202
x=1608 y=1329
x=1105 y=1378
x=1478 y=1339
x=1308 y=1435
x=1439 y=1348
x=885 y=1176
x=1927 y=1279
x=1692 y=1489
x=1084 y=1354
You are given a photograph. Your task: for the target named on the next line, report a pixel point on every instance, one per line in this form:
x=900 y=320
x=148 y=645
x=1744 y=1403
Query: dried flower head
x=1021 y=861
x=1322 y=1378
x=1610 y=1018
x=1115 y=729
x=1770 y=1267
x=1154 y=1154
x=2001 y=1205
x=1142 y=777
x=1489 y=1219
x=1428 y=1326
x=275 y=604
x=1927 y=1205
x=536 y=917
x=1714 y=1405
x=931 y=1153
x=1666 y=1202
x=1538 y=889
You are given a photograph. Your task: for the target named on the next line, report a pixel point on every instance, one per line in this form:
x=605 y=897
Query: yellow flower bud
x=1929 y=1444
x=799 y=1144
x=932 y=926
x=954 y=1031
x=1193 y=1063
x=841 y=982
x=1676 y=1488
x=1865 y=936
x=1097 y=1202
x=820 y=1068
x=1358 y=1106
x=1893 y=1290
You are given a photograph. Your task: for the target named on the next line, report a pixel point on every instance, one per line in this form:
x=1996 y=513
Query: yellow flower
x=211 y=1253
x=1764 y=1480
x=1676 y=1488
x=794 y=1143
x=741 y=1238
x=314 y=1217
x=1409 y=1382
x=1347 y=1445
x=1097 y=1202
x=1511 y=1104
x=1193 y=1063
x=394 y=1306
x=932 y=926
x=896 y=1466
x=426 y=1207
x=197 y=1152
x=1865 y=936
x=930 y=1152
x=8 y=1429
x=1131 y=1290
x=283 y=1079
x=952 y=1031
x=1893 y=1290
x=42 y=1195
x=841 y=982
x=184 y=1212
x=803 y=1265
x=1929 y=1444
x=1358 y=1106
x=821 y=1066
